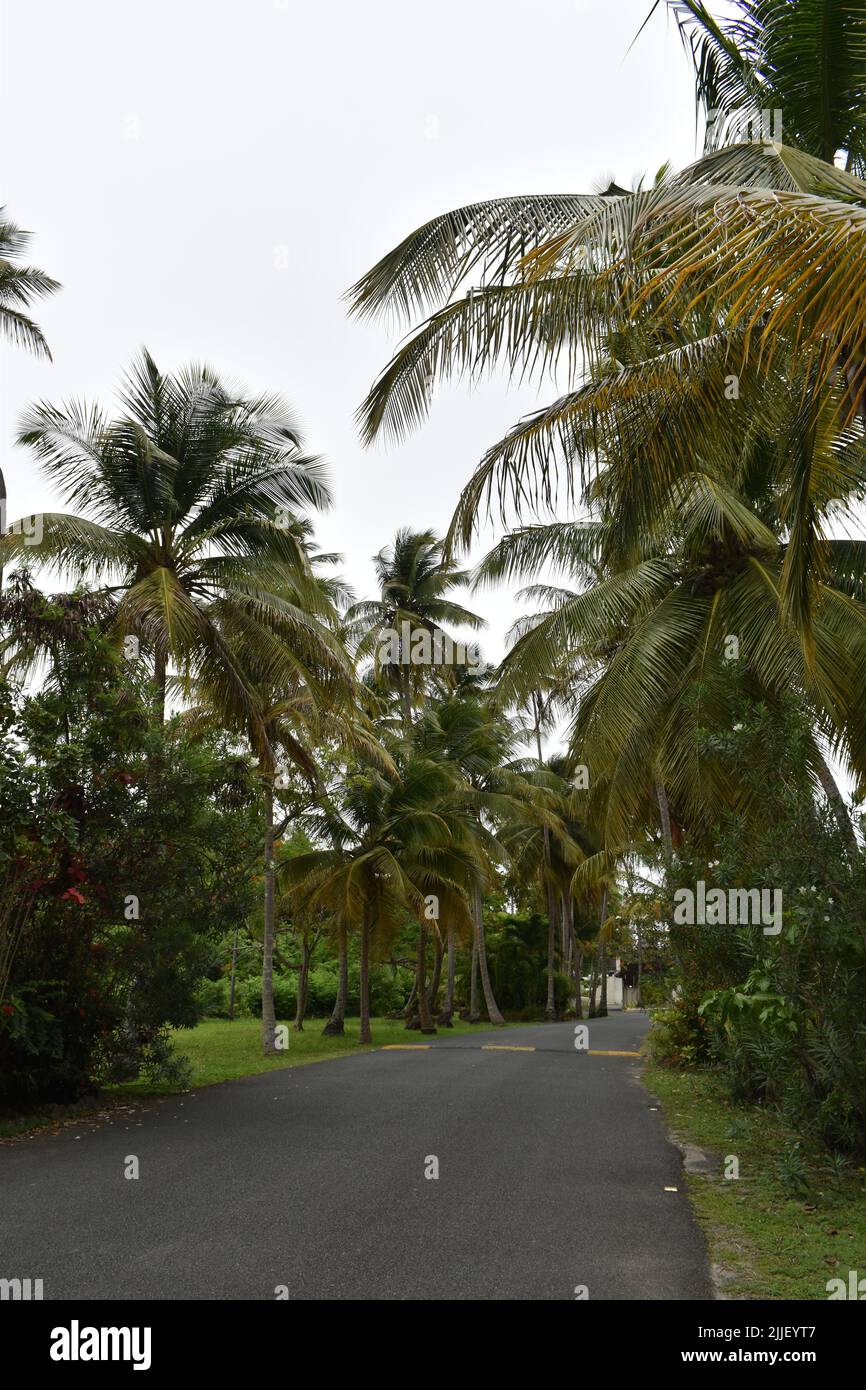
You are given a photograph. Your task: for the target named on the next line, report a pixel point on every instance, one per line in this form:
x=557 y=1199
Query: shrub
x=212 y=998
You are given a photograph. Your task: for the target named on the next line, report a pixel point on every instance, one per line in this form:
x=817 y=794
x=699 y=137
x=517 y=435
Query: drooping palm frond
x=193 y=506
x=805 y=61
x=20 y=286
x=488 y=239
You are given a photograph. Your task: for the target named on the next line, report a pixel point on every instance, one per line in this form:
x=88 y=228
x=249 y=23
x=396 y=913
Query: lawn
x=221 y=1051
x=791 y=1221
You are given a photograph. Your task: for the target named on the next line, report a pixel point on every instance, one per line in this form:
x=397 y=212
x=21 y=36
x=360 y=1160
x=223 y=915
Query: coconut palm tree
x=191 y=515
x=509 y=802
x=647 y=302
x=806 y=61
x=386 y=845
x=20 y=285
x=414 y=586
x=674 y=640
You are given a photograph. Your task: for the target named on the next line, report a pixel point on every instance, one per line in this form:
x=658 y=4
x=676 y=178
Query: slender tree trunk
x=406 y=698
x=433 y=992
x=550 y=1003
x=593 y=983
x=336 y=1024
x=836 y=803
x=303 y=988
x=550 y=1006
x=424 y=1019
x=409 y=1011
x=446 y=1016
x=639 y=999
x=366 y=1032
x=2 y=518
x=474 y=1011
x=566 y=930
x=159 y=680
x=577 y=958
x=602 y=1006
x=233 y=979
x=269 y=1021
x=665 y=816
x=492 y=1007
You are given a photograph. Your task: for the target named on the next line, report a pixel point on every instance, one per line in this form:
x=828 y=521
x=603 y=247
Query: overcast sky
x=207 y=177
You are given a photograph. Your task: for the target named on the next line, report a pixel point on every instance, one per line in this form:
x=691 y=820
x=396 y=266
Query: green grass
x=221 y=1051
x=780 y=1230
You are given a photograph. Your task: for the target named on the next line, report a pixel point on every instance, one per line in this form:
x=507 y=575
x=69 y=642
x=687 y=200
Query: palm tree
x=650 y=301
x=648 y=642
x=414 y=584
x=386 y=845
x=653 y=303
x=509 y=803
x=191 y=517
x=20 y=285
x=806 y=61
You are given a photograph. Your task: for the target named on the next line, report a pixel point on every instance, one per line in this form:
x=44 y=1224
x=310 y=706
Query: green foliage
x=679 y=1034
x=121 y=850
x=783 y=1014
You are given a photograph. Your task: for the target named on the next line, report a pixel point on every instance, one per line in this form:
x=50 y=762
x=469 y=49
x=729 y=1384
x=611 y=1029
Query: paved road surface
x=552 y=1170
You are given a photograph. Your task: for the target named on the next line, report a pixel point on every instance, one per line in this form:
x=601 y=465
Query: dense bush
x=119 y=848
x=785 y=1014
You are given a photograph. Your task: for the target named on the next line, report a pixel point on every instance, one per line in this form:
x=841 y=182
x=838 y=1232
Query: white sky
x=164 y=152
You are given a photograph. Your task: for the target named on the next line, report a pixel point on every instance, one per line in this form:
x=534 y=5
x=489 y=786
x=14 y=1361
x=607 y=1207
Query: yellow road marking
x=503 y=1047
x=597 y=1052
x=405 y=1047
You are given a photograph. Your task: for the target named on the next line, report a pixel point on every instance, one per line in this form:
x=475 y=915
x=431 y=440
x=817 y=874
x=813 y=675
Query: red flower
x=8 y=1009
x=74 y=894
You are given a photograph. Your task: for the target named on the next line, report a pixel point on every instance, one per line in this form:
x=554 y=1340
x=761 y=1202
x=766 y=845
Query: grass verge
x=791 y=1221
x=221 y=1051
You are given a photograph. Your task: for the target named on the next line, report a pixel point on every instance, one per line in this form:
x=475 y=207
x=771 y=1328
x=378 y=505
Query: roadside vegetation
x=232 y=788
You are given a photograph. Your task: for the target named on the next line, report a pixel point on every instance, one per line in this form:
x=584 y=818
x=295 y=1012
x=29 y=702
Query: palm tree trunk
x=566 y=932
x=234 y=976
x=366 y=1032
x=303 y=988
x=578 y=967
x=474 y=1011
x=433 y=991
x=426 y=1023
x=269 y=1022
x=836 y=802
x=335 y=1026
x=665 y=815
x=159 y=679
x=492 y=1007
x=406 y=695
x=550 y=1006
x=445 y=1018
x=639 y=968
x=409 y=1007
x=2 y=518
x=602 y=947
x=593 y=983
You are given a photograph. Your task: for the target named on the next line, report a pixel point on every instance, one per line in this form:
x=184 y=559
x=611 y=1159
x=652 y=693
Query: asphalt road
x=552 y=1175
